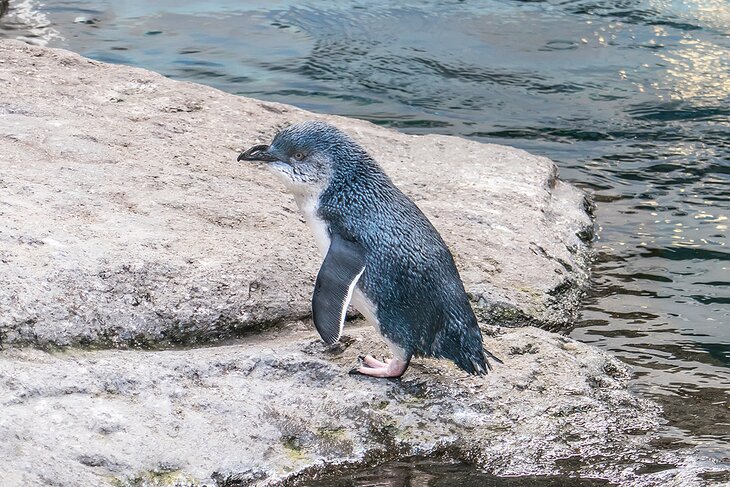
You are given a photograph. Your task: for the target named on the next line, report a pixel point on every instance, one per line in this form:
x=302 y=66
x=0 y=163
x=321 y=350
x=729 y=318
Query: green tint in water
x=630 y=98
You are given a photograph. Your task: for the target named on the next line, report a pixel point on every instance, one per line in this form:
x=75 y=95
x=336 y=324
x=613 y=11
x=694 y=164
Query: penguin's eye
x=299 y=156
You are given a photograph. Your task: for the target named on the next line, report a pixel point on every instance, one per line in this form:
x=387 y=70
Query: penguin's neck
x=307 y=199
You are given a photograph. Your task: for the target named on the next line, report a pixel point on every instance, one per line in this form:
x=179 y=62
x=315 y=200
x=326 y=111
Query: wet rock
x=128 y=222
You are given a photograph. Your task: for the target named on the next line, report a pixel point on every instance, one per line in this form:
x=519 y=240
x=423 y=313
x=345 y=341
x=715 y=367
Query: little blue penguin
x=380 y=252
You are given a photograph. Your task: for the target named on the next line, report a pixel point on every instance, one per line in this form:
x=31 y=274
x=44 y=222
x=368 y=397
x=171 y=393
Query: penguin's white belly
x=320 y=231
x=308 y=206
x=368 y=309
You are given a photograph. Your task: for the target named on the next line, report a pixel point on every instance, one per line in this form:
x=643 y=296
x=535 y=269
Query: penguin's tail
x=477 y=363
x=465 y=348
x=490 y=355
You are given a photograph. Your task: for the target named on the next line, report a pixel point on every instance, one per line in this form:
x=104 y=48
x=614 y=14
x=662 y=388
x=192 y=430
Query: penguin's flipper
x=342 y=267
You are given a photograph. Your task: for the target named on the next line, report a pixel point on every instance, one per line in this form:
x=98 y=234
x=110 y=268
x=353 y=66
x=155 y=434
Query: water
x=630 y=98
x=442 y=473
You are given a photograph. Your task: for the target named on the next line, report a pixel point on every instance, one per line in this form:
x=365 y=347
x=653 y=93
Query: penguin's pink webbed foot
x=391 y=368
x=371 y=361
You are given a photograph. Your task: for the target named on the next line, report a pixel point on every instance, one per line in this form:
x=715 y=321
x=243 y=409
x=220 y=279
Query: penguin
x=380 y=253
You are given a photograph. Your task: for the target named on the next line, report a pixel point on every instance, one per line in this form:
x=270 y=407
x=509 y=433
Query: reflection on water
x=631 y=98
x=697 y=71
x=27 y=21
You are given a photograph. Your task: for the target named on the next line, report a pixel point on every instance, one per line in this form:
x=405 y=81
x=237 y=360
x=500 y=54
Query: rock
x=128 y=222
x=280 y=405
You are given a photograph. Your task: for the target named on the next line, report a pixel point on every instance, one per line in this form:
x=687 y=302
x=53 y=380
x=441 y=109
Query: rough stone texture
x=280 y=405
x=126 y=219
x=127 y=223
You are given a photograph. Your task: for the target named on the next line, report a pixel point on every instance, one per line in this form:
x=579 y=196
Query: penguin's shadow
x=338 y=348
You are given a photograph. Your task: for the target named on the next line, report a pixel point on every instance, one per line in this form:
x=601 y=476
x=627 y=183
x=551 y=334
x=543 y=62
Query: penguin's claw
x=371 y=361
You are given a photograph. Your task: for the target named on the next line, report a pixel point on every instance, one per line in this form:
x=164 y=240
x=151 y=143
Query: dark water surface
x=426 y=473
x=630 y=98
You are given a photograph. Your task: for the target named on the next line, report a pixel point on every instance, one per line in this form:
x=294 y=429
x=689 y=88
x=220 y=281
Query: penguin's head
x=306 y=154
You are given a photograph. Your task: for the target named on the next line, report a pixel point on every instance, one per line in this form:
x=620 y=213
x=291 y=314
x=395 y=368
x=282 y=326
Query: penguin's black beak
x=257 y=153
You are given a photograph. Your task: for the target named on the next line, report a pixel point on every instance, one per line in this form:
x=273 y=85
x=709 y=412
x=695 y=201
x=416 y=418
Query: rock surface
x=280 y=406
x=128 y=224
x=127 y=221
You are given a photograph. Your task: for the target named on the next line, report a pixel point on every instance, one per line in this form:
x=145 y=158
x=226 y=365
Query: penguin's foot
x=371 y=361
x=375 y=368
